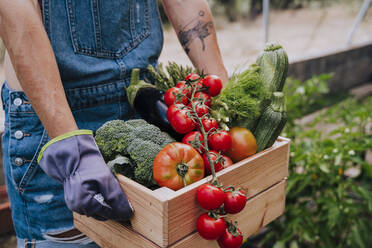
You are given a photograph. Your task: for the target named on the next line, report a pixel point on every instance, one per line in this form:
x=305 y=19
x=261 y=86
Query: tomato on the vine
x=220 y=162
x=172 y=109
x=183 y=85
x=200 y=109
x=210 y=228
x=208 y=124
x=182 y=122
x=235 y=201
x=231 y=239
x=194 y=138
x=192 y=76
x=210 y=197
x=170 y=97
x=220 y=141
x=204 y=97
x=213 y=83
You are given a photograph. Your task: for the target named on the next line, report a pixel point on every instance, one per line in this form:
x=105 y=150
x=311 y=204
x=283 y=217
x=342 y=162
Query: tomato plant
x=213 y=83
x=231 y=238
x=203 y=97
x=177 y=165
x=210 y=228
x=201 y=109
x=192 y=77
x=209 y=124
x=220 y=162
x=182 y=85
x=175 y=95
x=182 y=122
x=195 y=139
x=172 y=109
x=235 y=200
x=210 y=197
x=220 y=141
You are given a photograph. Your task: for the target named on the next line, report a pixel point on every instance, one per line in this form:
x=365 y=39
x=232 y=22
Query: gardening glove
x=89 y=186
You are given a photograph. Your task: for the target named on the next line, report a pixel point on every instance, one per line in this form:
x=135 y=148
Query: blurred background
x=329 y=105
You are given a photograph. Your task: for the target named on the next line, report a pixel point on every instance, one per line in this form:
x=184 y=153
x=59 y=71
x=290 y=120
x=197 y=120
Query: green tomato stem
x=205 y=139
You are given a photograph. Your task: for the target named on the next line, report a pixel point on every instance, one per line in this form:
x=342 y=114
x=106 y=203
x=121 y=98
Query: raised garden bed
x=166 y=218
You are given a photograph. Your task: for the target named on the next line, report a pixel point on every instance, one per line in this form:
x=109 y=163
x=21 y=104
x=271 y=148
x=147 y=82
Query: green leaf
x=324 y=167
x=293 y=244
x=279 y=244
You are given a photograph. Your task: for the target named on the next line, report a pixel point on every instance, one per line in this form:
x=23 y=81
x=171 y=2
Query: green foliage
x=327 y=205
x=137 y=141
x=240 y=102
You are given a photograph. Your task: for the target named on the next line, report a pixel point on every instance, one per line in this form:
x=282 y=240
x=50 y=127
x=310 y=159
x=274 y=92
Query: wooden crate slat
x=111 y=234
x=150 y=216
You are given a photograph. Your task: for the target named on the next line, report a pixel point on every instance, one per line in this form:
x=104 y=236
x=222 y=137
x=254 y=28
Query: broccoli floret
x=110 y=138
x=135 y=139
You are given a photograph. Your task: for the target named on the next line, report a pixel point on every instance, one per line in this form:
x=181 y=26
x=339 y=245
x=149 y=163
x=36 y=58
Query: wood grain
x=150 y=216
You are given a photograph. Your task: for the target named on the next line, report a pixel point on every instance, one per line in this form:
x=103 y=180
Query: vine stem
x=205 y=138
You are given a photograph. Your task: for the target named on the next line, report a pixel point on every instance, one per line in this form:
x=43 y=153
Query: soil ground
x=303 y=33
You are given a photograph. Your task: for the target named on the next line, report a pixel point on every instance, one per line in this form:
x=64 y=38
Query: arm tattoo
x=201 y=29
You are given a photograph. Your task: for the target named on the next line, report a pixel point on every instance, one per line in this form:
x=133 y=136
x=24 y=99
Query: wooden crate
x=166 y=218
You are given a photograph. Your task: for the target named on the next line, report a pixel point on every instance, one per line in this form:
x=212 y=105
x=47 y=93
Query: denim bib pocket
x=108 y=29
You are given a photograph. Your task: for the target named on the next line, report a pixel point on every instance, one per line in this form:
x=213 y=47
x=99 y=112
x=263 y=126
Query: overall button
x=18 y=134
x=17 y=101
x=18 y=161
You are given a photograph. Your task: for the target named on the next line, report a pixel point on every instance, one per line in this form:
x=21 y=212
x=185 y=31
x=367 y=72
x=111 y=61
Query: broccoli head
x=136 y=139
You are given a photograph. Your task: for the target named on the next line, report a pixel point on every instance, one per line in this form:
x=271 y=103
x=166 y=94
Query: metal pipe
x=266 y=9
x=358 y=20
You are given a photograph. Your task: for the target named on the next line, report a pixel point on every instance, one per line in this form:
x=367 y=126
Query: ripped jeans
x=37 y=201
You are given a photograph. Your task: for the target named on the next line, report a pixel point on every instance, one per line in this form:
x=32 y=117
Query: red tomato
x=172 y=109
x=229 y=240
x=181 y=122
x=208 y=124
x=192 y=76
x=204 y=97
x=213 y=83
x=235 y=201
x=177 y=165
x=170 y=97
x=183 y=85
x=210 y=197
x=219 y=162
x=191 y=139
x=209 y=227
x=220 y=141
x=200 y=109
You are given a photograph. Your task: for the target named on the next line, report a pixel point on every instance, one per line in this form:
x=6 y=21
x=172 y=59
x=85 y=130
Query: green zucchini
x=271 y=122
x=273 y=62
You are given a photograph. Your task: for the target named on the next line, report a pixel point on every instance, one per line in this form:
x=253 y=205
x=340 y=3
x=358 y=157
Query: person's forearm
x=192 y=21
x=33 y=59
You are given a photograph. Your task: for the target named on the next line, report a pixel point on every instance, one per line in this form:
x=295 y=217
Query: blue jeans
x=37 y=201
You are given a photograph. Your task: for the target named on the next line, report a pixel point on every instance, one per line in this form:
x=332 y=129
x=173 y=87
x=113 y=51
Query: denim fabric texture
x=98 y=41
x=96 y=44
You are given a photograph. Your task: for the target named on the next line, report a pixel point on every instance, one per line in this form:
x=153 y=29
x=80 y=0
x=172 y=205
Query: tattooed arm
x=192 y=21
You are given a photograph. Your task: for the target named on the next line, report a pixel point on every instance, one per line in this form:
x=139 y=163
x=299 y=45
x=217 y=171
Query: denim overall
x=96 y=44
